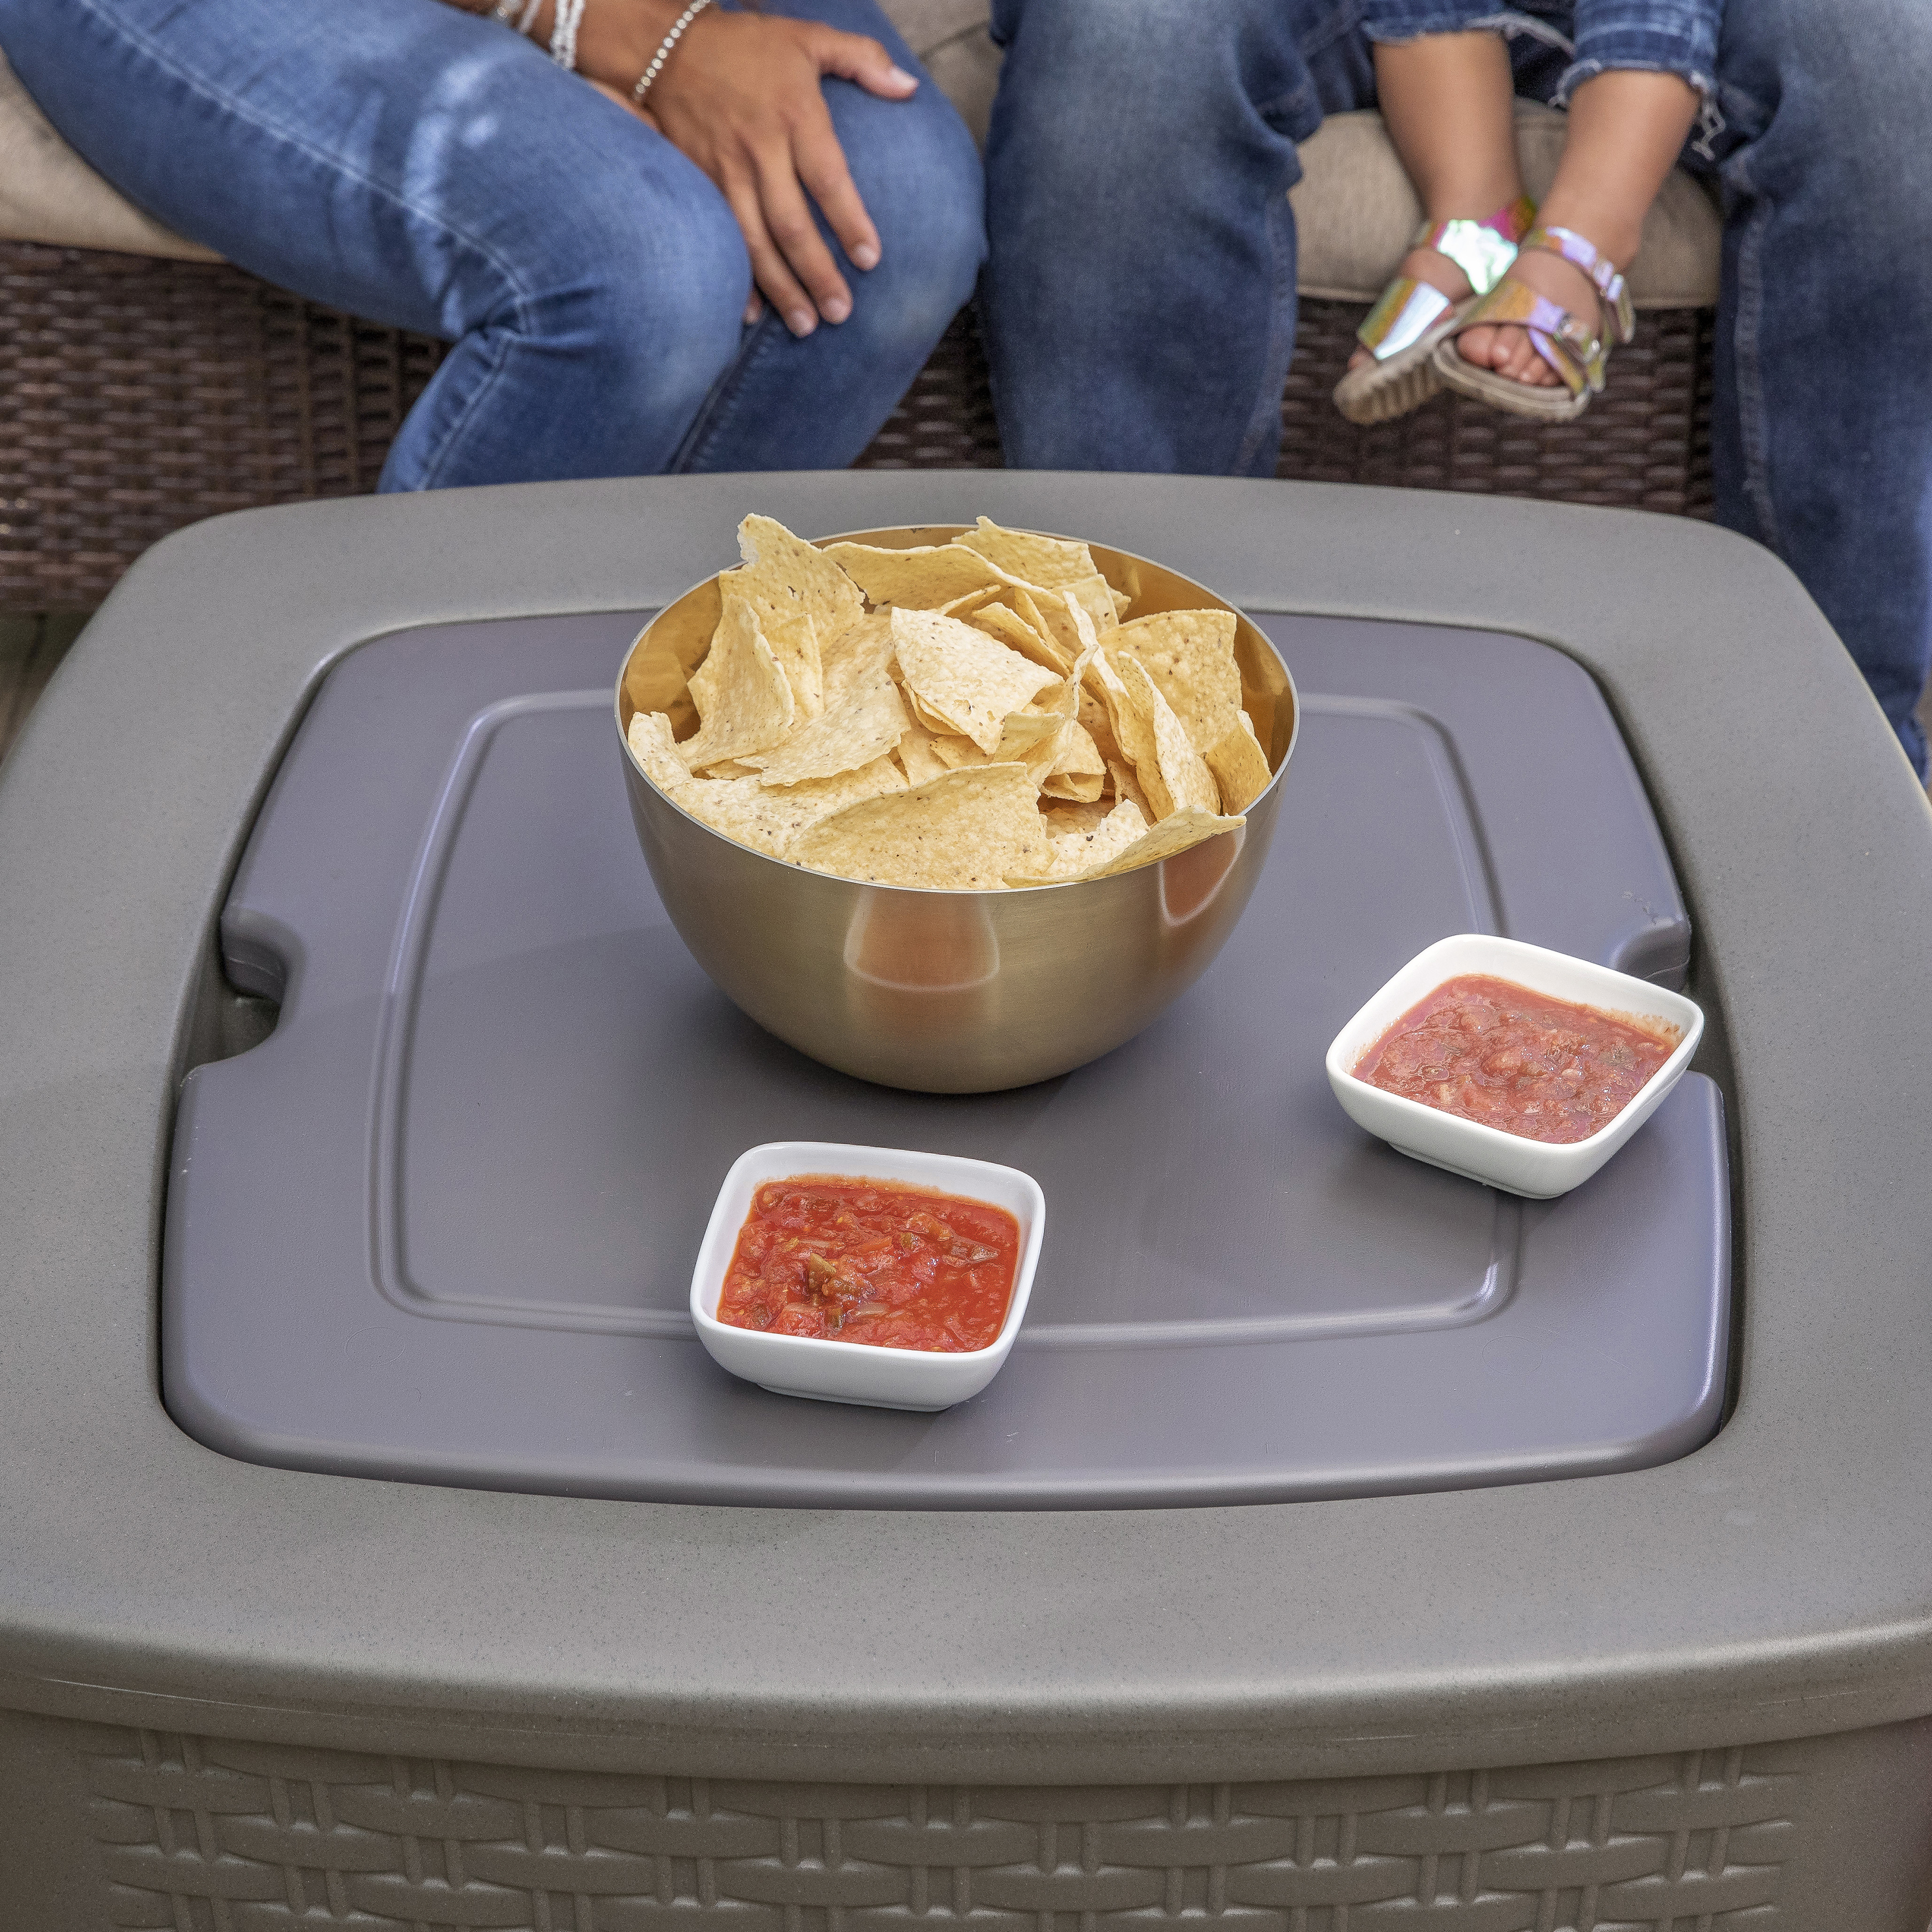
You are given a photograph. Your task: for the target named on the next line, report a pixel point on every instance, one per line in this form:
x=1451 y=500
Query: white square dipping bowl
x=1537 y=1169
x=860 y=1371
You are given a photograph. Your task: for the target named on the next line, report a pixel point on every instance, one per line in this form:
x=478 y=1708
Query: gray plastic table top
x=1777 y=1582
x=441 y=1224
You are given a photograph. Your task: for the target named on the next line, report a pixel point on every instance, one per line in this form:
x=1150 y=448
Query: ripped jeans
x=1678 y=37
x=1139 y=303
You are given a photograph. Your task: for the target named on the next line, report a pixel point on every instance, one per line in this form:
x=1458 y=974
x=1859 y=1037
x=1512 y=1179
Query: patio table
x=1694 y=1694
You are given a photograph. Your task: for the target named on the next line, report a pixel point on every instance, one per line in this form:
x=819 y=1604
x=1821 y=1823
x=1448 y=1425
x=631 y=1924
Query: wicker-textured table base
x=138 y=395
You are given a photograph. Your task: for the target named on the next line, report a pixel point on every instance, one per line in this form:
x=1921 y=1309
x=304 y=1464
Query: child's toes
x=1477 y=346
x=1523 y=364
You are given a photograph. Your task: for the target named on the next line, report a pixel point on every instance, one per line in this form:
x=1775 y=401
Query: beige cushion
x=1354 y=210
x=1355 y=214
x=49 y=193
x=950 y=37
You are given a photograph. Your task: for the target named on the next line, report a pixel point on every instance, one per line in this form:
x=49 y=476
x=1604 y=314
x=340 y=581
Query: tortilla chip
x=1048 y=561
x=1078 y=770
x=928 y=721
x=1096 y=721
x=1062 y=819
x=843 y=739
x=1179 y=780
x=808 y=573
x=863 y=718
x=1031 y=738
x=1132 y=731
x=1122 y=603
x=1184 y=830
x=1000 y=622
x=1092 y=595
x=744 y=700
x=917 y=756
x=771 y=818
x=1058 y=621
x=852 y=652
x=1190 y=656
x=963 y=607
x=963 y=832
x=916 y=580
x=802 y=598
x=1087 y=853
x=1063 y=642
x=961 y=677
x=1126 y=786
x=789 y=632
x=1240 y=767
x=1076 y=788
x=1026 y=730
x=654 y=748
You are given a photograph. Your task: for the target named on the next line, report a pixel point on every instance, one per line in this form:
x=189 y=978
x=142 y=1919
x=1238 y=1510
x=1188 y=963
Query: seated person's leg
x=1822 y=428
x=1626 y=129
x=790 y=404
x=1139 y=300
x=409 y=163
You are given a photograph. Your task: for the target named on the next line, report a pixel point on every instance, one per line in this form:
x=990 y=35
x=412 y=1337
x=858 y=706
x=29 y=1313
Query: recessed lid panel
x=441 y=1224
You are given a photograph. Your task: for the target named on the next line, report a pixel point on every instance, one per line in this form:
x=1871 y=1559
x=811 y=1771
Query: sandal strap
x=1482 y=250
x=1563 y=340
x=1582 y=252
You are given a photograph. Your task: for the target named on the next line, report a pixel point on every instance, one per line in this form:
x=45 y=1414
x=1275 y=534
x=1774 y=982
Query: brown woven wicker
x=138 y=395
x=1645 y=444
x=945 y=420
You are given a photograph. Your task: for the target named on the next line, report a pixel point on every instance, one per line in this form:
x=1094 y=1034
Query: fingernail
x=835 y=308
x=899 y=77
x=866 y=255
x=801 y=321
x=753 y=310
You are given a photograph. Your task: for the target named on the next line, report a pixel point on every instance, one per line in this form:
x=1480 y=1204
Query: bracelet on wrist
x=649 y=76
x=568 y=18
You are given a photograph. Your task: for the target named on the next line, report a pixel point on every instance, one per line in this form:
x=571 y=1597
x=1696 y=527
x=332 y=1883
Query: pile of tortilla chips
x=972 y=715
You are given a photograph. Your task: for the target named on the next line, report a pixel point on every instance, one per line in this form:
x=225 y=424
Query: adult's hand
x=741 y=95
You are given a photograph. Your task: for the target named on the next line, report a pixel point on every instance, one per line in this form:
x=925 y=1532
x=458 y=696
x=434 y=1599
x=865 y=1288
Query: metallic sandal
x=1579 y=354
x=1403 y=328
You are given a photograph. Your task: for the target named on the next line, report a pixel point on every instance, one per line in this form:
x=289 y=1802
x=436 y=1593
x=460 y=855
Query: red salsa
x=864 y=1261
x=1490 y=1050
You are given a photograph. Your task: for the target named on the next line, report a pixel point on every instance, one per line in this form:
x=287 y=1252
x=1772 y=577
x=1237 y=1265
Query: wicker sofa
x=145 y=383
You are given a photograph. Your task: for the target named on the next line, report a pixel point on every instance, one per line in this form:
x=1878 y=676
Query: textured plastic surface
x=499 y=1074
x=389 y=1648
x=187 y=1830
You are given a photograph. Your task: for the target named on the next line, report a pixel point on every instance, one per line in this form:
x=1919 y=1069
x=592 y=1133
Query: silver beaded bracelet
x=663 y=54
x=563 y=33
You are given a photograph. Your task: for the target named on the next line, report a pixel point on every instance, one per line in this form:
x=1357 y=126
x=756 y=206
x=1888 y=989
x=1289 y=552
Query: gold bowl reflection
x=948 y=992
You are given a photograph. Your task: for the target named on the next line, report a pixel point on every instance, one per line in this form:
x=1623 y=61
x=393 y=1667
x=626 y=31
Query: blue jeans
x=431 y=169
x=1677 y=36
x=1140 y=299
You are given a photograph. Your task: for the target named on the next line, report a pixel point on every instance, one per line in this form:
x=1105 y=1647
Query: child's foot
x=1427 y=266
x=1505 y=347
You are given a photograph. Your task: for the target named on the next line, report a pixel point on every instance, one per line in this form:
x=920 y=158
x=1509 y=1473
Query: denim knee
x=918 y=172
x=1157 y=52
x=612 y=306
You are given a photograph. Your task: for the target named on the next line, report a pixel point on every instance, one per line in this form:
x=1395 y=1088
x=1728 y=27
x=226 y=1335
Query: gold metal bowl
x=948 y=992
